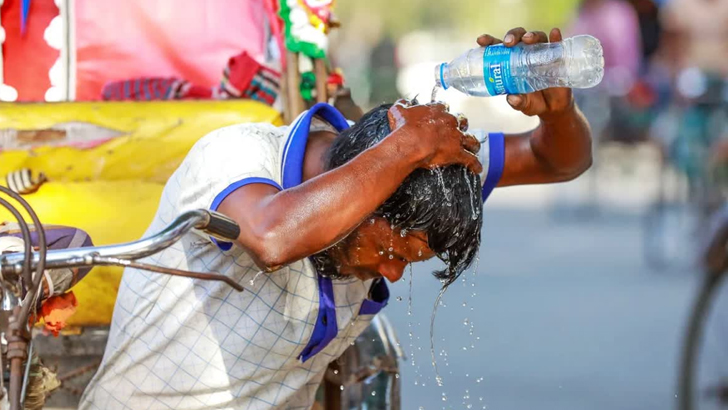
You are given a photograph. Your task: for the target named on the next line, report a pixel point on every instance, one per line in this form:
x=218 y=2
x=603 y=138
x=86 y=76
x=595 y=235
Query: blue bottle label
x=497 y=70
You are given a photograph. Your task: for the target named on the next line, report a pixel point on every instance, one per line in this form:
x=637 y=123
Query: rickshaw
x=78 y=158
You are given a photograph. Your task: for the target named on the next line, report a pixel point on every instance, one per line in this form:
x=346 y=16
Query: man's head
x=433 y=213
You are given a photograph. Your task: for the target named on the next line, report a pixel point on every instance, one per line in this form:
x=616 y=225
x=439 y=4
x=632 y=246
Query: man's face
x=374 y=250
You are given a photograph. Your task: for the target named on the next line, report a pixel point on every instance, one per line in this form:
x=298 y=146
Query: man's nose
x=393 y=271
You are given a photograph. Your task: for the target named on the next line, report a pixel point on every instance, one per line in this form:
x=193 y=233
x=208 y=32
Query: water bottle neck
x=440 y=71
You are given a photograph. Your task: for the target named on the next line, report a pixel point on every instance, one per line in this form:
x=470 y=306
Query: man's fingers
x=555 y=35
x=487 y=40
x=440 y=106
x=515 y=101
x=529 y=104
x=471 y=162
x=396 y=115
x=514 y=36
x=533 y=37
x=471 y=143
x=463 y=123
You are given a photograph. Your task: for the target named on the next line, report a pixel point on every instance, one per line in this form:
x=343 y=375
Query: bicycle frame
x=20 y=292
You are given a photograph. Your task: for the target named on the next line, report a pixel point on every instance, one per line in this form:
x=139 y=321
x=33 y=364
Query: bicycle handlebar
x=210 y=222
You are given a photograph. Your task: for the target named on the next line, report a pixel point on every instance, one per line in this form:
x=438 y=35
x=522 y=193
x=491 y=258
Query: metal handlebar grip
x=221 y=227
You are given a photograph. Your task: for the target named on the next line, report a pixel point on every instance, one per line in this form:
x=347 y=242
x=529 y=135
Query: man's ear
x=346 y=105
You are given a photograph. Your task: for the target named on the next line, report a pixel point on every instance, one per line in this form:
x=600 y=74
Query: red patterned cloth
x=243 y=77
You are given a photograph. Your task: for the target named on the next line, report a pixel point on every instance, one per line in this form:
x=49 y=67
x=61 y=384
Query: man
x=325 y=211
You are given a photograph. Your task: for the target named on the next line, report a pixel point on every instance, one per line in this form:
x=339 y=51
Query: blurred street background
x=583 y=289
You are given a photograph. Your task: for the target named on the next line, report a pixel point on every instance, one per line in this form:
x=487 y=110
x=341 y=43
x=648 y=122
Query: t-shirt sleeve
x=492 y=156
x=220 y=163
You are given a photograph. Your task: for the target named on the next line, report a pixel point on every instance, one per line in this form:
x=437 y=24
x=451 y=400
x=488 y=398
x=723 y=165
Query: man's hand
x=546 y=103
x=436 y=136
x=558 y=150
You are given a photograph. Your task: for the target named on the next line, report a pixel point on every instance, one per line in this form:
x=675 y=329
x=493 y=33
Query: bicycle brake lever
x=105 y=260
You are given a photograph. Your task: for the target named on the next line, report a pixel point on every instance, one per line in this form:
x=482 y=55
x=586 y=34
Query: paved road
x=568 y=318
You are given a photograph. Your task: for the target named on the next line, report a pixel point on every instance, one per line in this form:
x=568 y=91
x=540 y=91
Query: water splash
x=445 y=190
x=409 y=301
x=433 y=97
x=474 y=209
x=438 y=378
x=252 y=281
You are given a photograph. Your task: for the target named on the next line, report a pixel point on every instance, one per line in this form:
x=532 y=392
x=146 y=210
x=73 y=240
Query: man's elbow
x=584 y=166
x=269 y=251
x=571 y=173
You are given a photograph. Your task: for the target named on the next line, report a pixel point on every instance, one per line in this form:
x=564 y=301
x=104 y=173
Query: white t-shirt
x=184 y=344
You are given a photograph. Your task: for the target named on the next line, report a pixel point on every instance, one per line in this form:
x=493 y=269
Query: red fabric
x=242 y=70
x=28 y=58
x=57 y=310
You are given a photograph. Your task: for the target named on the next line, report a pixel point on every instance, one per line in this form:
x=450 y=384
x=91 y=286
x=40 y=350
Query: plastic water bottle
x=576 y=62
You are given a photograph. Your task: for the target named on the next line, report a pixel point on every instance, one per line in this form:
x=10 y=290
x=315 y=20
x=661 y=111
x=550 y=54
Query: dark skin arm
x=280 y=227
x=560 y=148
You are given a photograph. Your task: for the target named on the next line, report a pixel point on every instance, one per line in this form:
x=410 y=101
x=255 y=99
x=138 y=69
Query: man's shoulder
x=243 y=141
x=248 y=132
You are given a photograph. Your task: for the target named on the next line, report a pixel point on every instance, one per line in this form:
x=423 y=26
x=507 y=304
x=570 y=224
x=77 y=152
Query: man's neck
x=316 y=146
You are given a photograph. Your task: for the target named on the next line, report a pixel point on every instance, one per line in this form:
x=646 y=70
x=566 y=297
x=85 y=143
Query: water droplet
x=396 y=376
x=444 y=397
x=465 y=304
x=374 y=393
x=480 y=398
x=391 y=249
x=403 y=233
x=336 y=372
x=465 y=348
x=391 y=257
x=381 y=252
x=341 y=387
x=469 y=406
x=399 y=298
x=252 y=281
x=422 y=408
x=419 y=253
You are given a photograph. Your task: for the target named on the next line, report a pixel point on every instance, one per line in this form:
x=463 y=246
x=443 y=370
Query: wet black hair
x=444 y=203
